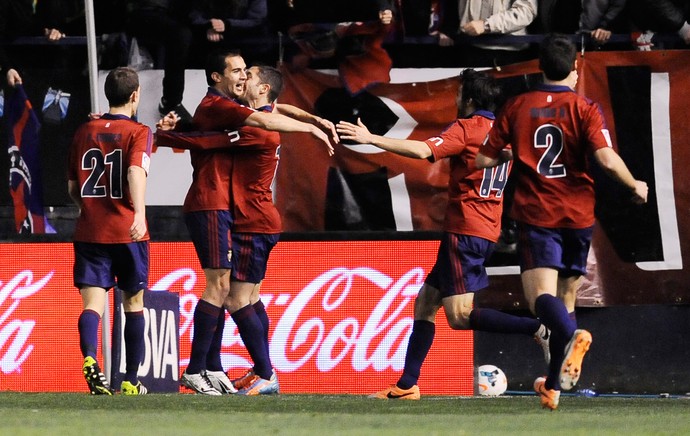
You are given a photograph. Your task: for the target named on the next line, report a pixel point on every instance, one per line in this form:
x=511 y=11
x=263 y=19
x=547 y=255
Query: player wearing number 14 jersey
x=472 y=227
x=554 y=133
x=108 y=165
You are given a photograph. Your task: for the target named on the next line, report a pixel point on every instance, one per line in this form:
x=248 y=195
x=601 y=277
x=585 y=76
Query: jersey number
x=98 y=164
x=550 y=138
x=494 y=179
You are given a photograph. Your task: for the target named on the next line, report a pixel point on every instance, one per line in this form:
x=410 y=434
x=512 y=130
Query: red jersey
x=552 y=131
x=102 y=150
x=475 y=198
x=211 y=170
x=251 y=169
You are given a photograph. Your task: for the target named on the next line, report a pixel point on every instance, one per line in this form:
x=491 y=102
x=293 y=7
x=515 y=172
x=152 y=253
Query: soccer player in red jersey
x=471 y=229
x=256 y=221
x=553 y=133
x=108 y=164
x=210 y=220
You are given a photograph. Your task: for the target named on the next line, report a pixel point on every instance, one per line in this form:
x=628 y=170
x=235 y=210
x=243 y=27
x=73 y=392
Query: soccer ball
x=491 y=381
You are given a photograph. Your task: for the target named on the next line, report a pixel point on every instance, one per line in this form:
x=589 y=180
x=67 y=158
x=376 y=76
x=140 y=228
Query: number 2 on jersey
x=550 y=138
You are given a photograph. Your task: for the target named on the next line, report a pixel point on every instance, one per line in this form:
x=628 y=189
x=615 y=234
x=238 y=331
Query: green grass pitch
x=181 y=414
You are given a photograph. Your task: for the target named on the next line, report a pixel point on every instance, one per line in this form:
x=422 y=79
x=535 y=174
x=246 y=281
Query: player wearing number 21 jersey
x=108 y=165
x=102 y=152
x=472 y=227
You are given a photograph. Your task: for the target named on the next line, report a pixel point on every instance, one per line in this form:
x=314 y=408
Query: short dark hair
x=557 y=55
x=215 y=63
x=273 y=77
x=119 y=85
x=482 y=88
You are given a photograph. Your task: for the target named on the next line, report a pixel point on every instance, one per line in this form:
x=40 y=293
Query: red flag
x=26 y=186
x=415 y=111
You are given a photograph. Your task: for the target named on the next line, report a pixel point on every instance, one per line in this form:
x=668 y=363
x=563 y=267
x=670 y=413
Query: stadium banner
x=341 y=315
x=159 y=370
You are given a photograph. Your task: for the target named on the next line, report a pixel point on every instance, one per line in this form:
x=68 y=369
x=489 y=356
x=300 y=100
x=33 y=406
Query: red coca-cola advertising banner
x=341 y=315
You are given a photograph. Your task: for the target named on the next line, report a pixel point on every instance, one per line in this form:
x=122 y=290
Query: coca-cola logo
x=14 y=333
x=309 y=329
x=316 y=326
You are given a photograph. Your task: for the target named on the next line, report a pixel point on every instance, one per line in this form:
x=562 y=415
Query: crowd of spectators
x=175 y=35
x=191 y=29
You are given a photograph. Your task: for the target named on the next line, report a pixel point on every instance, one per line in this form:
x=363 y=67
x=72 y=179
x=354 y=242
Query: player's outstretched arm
x=196 y=140
x=304 y=116
x=281 y=123
x=613 y=165
x=360 y=134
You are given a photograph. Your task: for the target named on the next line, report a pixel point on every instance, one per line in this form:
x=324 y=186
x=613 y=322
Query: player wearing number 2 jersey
x=108 y=164
x=553 y=133
x=472 y=226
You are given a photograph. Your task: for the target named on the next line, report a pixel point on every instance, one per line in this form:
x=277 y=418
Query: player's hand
x=138 y=228
x=95 y=115
x=329 y=127
x=321 y=135
x=168 y=122
x=357 y=133
x=640 y=192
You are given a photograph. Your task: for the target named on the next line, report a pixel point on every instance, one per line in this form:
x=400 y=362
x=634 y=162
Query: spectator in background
x=237 y=24
x=57 y=19
x=320 y=33
x=162 y=27
x=355 y=47
x=16 y=19
x=661 y=16
x=475 y=18
x=52 y=74
x=7 y=69
x=60 y=18
x=602 y=18
x=417 y=18
x=597 y=18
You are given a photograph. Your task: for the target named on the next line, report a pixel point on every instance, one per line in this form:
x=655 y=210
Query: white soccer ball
x=491 y=381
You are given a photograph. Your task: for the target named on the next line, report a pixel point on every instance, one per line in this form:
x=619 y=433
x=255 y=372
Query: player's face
x=252 y=85
x=234 y=76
